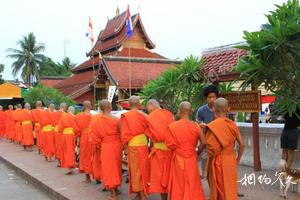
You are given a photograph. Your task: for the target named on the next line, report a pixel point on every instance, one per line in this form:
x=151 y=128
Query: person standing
x=184 y=136
x=2 y=122
x=133 y=127
x=222 y=163
x=105 y=132
x=36 y=117
x=158 y=121
x=289 y=138
x=83 y=121
x=9 y=123
x=27 y=128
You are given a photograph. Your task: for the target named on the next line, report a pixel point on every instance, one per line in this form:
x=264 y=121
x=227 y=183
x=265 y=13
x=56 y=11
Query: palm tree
x=1 y=70
x=67 y=63
x=28 y=59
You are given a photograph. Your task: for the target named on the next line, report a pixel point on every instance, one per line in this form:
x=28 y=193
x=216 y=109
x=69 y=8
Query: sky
x=178 y=27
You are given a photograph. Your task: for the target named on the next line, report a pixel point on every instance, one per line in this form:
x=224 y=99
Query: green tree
x=51 y=68
x=28 y=59
x=182 y=82
x=1 y=71
x=273 y=58
x=47 y=95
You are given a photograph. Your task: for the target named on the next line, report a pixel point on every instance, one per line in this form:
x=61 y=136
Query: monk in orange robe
x=221 y=135
x=83 y=121
x=9 y=123
x=48 y=132
x=158 y=121
x=18 y=127
x=185 y=180
x=27 y=127
x=105 y=132
x=95 y=152
x=36 y=117
x=2 y=122
x=68 y=127
x=133 y=128
x=57 y=134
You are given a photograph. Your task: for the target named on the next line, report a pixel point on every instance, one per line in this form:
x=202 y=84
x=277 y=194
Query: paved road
x=13 y=187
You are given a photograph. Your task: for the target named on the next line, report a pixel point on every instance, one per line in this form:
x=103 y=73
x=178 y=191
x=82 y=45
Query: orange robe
x=27 y=127
x=47 y=133
x=133 y=130
x=2 y=123
x=9 y=125
x=18 y=127
x=95 y=152
x=58 y=137
x=185 y=181
x=104 y=132
x=160 y=156
x=221 y=163
x=68 y=127
x=83 y=122
x=36 y=117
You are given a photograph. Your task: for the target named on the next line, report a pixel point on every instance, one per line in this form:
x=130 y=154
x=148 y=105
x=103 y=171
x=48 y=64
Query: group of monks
x=162 y=154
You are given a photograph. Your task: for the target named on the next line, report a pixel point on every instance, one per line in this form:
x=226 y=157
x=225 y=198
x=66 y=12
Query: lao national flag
x=89 y=32
x=129 y=28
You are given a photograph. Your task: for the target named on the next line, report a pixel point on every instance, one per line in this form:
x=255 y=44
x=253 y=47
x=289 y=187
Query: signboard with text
x=249 y=101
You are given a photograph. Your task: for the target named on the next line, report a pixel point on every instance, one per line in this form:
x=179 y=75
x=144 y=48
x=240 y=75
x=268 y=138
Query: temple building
x=116 y=60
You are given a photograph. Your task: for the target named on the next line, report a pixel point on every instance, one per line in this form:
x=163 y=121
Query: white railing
x=269 y=142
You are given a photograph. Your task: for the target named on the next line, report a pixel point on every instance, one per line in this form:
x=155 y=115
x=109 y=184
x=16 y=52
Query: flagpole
x=94 y=76
x=129 y=60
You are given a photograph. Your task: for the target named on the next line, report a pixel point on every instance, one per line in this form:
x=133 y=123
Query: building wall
x=87 y=96
x=136 y=41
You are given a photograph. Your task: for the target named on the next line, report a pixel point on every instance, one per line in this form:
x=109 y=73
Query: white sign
x=111 y=92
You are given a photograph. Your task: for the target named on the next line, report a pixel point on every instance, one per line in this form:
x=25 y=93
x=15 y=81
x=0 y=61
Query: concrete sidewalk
x=53 y=181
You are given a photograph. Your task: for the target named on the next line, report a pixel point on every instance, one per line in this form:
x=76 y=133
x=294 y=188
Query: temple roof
x=220 y=61
x=123 y=52
x=76 y=85
x=114 y=34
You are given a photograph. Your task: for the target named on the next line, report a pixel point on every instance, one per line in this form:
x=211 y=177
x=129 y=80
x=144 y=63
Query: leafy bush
x=47 y=95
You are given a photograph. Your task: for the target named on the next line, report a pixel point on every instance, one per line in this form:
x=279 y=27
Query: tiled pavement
x=53 y=181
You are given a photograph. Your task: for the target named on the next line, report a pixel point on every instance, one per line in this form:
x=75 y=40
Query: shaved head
x=152 y=105
x=221 y=105
x=71 y=110
x=10 y=107
x=51 y=107
x=86 y=105
x=63 y=106
x=27 y=106
x=38 y=104
x=19 y=106
x=185 y=107
x=105 y=105
x=1 y=107
x=134 y=101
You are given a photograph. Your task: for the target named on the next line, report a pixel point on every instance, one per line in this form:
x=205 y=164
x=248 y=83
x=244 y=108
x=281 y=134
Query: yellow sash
x=68 y=131
x=27 y=122
x=56 y=128
x=139 y=140
x=47 y=128
x=160 y=145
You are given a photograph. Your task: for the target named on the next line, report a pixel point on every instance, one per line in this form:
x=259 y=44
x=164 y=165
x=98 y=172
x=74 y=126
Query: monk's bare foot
x=113 y=194
x=87 y=179
x=104 y=190
x=69 y=172
x=118 y=191
x=137 y=197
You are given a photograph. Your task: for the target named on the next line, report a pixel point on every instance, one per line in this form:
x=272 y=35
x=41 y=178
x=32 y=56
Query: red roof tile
x=113 y=26
x=50 y=82
x=141 y=73
x=87 y=64
x=137 y=53
x=76 y=85
x=221 y=61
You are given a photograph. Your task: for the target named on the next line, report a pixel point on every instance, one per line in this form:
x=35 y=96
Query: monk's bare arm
x=241 y=146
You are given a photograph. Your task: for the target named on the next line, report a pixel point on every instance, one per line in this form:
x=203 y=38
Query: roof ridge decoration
x=222 y=48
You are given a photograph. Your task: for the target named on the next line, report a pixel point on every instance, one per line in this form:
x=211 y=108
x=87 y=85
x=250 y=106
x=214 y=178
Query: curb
x=34 y=181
